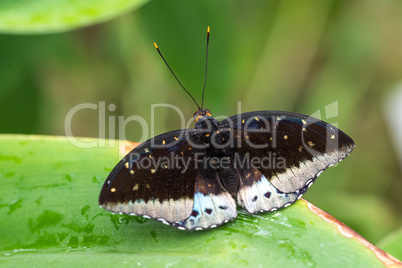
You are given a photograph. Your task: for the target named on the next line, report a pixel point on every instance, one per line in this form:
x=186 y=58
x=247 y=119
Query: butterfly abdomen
x=229 y=179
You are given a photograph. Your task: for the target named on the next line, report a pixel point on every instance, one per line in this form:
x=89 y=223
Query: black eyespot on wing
x=194 y=213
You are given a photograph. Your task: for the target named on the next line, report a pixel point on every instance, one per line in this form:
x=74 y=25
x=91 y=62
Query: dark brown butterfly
x=190 y=178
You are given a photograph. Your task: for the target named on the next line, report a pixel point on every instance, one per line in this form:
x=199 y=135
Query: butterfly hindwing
x=281 y=154
x=256 y=193
x=213 y=205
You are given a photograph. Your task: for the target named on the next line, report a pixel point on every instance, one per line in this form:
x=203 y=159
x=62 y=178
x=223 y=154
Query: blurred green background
x=298 y=56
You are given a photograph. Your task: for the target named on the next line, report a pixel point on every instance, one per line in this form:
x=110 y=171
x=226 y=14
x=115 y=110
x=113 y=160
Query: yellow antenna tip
x=208 y=30
x=156 y=46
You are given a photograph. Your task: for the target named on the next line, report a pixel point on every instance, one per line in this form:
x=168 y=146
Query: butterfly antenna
x=157 y=48
x=206 y=69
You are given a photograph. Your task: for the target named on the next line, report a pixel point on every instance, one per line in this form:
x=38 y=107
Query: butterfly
x=193 y=179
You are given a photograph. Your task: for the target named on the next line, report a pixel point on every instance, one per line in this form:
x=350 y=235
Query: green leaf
x=49 y=16
x=50 y=215
x=392 y=243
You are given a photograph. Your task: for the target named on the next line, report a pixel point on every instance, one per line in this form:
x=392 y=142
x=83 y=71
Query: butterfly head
x=202 y=114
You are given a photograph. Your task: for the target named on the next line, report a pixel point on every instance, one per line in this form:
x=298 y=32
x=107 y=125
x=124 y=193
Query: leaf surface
x=50 y=215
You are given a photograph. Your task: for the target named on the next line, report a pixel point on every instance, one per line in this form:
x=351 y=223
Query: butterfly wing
x=280 y=154
x=141 y=184
x=213 y=205
x=159 y=179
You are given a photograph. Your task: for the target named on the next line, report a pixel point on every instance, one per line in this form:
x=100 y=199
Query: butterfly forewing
x=149 y=181
x=279 y=155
